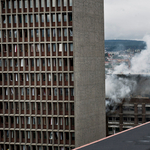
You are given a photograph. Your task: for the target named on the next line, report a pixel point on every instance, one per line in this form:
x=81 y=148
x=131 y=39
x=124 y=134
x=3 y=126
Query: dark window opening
x=3 y=5
x=70 y=16
x=0 y=77
x=20 y=18
x=71 y=62
x=67 y=136
x=26 y=34
x=65 y=61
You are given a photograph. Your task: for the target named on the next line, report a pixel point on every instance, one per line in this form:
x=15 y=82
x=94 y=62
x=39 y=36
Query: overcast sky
x=127 y=19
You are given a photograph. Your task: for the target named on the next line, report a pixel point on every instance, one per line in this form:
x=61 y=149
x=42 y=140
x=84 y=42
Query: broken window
x=49 y=77
x=70 y=16
x=43 y=62
x=43 y=77
x=32 y=77
x=20 y=18
x=49 y=63
x=55 y=91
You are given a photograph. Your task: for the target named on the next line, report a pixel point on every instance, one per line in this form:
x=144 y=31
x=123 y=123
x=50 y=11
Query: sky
x=127 y=19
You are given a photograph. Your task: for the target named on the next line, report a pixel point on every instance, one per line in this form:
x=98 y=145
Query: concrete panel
x=89 y=70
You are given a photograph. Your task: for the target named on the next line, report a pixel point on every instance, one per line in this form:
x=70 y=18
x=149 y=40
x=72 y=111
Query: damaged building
x=132 y=110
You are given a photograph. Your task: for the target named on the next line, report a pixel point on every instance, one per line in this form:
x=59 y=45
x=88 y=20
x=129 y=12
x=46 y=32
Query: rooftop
x=137 y=138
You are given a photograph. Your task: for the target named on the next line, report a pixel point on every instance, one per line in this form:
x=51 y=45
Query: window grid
x=18 y=57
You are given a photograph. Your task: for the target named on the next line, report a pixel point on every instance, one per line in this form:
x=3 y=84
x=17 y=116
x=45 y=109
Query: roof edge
x=111 y=136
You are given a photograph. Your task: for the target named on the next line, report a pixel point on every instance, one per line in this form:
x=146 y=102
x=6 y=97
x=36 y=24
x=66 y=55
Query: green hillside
x=121 y=45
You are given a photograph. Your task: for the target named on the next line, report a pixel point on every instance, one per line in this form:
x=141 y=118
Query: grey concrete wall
x=89 y=69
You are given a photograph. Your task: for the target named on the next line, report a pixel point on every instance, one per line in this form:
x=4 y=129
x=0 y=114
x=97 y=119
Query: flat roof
x=136 y=138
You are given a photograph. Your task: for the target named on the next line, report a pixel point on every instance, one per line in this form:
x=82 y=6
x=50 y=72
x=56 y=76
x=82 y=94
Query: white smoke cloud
x=118 y=88
x=140 y=63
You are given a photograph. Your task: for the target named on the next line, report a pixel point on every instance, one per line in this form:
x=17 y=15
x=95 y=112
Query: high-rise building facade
x=52 y=93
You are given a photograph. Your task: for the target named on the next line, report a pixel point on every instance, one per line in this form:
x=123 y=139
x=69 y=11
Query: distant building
x=128 y=115
x=131 y=112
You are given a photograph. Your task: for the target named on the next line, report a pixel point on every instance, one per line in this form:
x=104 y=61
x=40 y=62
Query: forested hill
x=120 y=45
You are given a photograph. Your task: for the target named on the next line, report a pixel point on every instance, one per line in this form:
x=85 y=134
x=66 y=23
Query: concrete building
x=52 y=74
x=128 y=115
x=132 y=111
